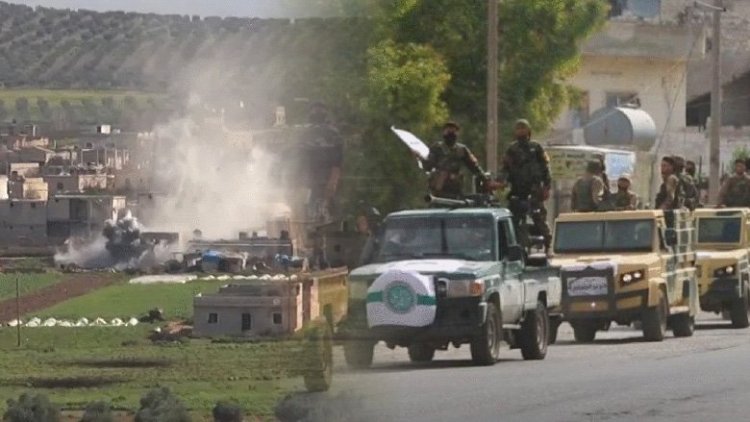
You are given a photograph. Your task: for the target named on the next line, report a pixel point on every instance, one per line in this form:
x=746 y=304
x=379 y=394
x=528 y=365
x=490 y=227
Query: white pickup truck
x=450 y=276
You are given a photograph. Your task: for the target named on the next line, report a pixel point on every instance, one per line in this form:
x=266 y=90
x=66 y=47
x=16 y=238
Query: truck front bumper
x=612 y=307
x=719 y=292
x=456 y=320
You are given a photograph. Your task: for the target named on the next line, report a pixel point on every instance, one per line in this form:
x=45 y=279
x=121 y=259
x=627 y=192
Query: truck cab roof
x=497 y=213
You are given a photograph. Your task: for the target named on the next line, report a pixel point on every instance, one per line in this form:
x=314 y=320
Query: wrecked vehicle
x=449 y=276
x=626 y=267
x=723 y=252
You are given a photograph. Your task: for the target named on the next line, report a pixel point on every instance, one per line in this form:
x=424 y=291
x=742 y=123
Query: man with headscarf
x=446 y=160
x=526 y=168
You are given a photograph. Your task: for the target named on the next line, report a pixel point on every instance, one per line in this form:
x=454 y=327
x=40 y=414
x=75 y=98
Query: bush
x=99 y=411
x=227 y=412
x=31 y=408
x=161 y=405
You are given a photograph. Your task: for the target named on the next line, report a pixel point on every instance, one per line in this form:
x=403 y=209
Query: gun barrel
x=447 y=202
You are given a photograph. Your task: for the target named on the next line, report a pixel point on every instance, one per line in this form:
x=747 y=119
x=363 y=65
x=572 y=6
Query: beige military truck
x=626 y=267
x=722 y=261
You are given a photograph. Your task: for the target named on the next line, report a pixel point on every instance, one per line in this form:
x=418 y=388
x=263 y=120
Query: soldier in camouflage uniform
x=735 y=192
x=588 y=191
x=526 y=168
x=624 y=199
x=670 y=196
x=687 y=183
x=445 y=161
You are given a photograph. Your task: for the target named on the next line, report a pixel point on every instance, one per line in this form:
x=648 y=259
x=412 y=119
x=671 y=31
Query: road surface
x=618 y=378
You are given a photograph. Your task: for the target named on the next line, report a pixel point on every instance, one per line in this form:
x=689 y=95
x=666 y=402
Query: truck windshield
x=459 y=237
x=604 y=236
x=719 y=230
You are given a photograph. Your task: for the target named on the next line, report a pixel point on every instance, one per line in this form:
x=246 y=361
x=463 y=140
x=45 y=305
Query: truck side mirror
x=515 y=253
x=670 y=237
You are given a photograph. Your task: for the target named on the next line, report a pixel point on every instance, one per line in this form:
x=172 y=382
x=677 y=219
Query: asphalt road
x=618 y=378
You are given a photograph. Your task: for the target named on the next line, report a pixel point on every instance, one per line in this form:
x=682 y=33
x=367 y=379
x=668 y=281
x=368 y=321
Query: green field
x=56 y=96
x=132 y=300
x=75 y=366
x=27 y=283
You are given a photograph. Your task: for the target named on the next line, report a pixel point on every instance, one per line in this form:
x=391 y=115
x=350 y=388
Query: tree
x=161 y=405
x=428 y=61
x=31 y=408
x=539 y=50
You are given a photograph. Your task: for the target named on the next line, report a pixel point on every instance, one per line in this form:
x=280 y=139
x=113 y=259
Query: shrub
x=227 y=412
x=161 y=405
x=99 y=411
x=31 y=408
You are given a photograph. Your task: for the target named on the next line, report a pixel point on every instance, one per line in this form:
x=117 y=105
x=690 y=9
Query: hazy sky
x=254 y=8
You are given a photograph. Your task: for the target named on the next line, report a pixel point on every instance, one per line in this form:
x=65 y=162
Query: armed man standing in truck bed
x=526 y=168
x=735 y=192
x=588 y=191
x=445 y=162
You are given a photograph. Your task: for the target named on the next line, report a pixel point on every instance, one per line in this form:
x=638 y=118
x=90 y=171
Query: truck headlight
x=632 y=276
x=725 y=271
x=465 y=288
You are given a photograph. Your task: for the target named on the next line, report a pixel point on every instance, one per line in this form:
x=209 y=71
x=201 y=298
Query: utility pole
x=492 y=89
x=715 y=150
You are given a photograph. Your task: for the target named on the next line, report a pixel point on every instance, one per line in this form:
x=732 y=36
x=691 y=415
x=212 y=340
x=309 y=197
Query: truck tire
x=654 y=320
x=683 y=325
x=554 y=326
x=738 y=312
x=485 y=348
x=358 y=353
x=421 y=352
x=584 y=332
x=534 y=335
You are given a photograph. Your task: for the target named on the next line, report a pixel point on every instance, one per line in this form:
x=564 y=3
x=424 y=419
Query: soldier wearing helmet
x=624 y=199
x=526 y=168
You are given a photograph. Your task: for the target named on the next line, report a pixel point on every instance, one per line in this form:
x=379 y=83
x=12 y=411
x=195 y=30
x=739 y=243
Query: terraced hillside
x=53 y=48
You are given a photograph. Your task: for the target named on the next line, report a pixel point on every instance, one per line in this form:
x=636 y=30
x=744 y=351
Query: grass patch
x=56 y=96
x=126 y=300
x=28 y=283
x=75 y=366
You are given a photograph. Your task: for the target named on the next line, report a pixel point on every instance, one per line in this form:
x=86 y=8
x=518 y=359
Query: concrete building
x=20 y=187
x=633 y=63
x=76 y=183
x=259 y=309
x=113 y=158
x=35 y=154
x=24 y=169
x=265 y=308
x=81 y=215
x=23 y=222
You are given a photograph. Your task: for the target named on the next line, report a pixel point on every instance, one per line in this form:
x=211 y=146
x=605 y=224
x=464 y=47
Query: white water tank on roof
x=622 y=127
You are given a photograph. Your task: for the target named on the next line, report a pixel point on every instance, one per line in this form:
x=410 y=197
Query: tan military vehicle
x=625 y=267
x=722 y=260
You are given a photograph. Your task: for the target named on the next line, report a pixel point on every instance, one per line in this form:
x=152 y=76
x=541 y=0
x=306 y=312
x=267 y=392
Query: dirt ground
x=73 y=285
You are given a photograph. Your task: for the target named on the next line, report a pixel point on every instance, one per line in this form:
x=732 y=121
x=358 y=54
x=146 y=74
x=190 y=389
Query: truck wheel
x=534 y=334
x=584 y=333
x=683 y=325
x=738 y=312
x=485 y=348
x=420 y=352
x=554 y=325
x=358 y=353
x=654 y=320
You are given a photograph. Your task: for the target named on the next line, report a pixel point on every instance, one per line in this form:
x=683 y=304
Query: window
x=604 y=236
x=623 y=99
x=213 y=318
x=580 y=112
x=60 y=186
x=247 y=322
x=33 y=205
x=277 y=318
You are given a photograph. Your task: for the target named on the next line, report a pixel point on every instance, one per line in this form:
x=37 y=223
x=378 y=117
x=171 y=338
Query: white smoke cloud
x=212 y=182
